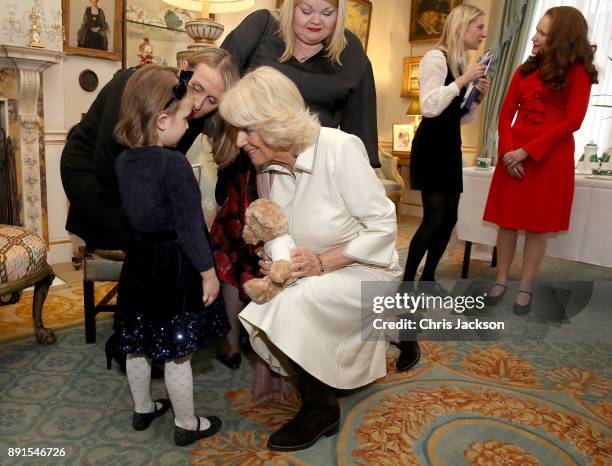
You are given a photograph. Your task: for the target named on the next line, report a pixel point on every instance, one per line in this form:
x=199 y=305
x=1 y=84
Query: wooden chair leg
x=466 y=260
x=90 y=311
x=43 y=334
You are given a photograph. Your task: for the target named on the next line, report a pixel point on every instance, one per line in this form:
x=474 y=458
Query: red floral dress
x=542 y=200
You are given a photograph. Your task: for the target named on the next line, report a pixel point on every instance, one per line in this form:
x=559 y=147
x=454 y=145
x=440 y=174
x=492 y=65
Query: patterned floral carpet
x=465 y=403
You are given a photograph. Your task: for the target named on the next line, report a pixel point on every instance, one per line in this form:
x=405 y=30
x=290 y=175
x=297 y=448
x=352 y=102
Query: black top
x=435 y=156
x=159 y=193
x=88 y=172
x=343 y=96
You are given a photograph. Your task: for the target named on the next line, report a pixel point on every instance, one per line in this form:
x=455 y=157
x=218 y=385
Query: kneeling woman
x=345 y=229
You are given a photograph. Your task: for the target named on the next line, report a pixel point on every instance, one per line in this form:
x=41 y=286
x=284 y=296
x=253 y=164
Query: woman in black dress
x=93 y=33
x=435 y=158
x=307 y=42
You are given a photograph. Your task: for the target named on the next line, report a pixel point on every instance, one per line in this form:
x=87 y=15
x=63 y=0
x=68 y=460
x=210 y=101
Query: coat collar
x=304 y=162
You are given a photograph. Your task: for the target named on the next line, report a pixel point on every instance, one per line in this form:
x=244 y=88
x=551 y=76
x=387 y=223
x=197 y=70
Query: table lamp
x=204 y=31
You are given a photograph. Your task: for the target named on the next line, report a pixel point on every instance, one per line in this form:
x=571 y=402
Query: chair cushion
x=391 y=185
x=22 y=253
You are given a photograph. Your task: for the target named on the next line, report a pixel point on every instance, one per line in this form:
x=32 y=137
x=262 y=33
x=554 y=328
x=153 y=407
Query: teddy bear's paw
x=280 y=272
x=261 y=290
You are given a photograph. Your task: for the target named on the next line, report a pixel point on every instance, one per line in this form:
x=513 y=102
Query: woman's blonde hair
x=221 y=136
x=146 y=94
x=451 y=40
x=334 y=44
x=266 y=101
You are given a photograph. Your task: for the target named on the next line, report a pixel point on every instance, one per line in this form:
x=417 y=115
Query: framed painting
x=93 y=28
x=427 y=18
x=410 y=77
x=358 y=18
x=402 y=137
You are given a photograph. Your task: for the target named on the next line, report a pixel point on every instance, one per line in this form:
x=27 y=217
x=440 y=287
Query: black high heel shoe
x=230 y=360
x=410 y=353
x=522 y=309
x=494 y=300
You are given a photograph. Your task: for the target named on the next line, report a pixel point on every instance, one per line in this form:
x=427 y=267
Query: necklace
x=301 y=57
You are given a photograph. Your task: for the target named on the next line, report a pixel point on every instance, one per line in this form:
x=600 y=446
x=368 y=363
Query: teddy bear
x=266 y=222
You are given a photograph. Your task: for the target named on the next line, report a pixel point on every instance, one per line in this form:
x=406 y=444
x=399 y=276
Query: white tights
x=179 y=384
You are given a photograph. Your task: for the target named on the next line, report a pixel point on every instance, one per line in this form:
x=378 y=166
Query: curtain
x=511 y=31
x=597 y=124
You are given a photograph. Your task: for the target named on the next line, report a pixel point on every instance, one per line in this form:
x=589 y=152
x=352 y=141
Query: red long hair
x=567 y=45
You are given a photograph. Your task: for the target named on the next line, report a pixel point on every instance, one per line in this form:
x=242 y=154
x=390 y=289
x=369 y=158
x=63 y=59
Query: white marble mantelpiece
x=29 y=63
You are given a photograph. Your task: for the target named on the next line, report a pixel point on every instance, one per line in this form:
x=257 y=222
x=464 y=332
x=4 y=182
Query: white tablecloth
x=589 y=238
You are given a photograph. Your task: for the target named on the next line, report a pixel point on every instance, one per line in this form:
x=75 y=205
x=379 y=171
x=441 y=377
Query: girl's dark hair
x=567 y=45
x=146 y=93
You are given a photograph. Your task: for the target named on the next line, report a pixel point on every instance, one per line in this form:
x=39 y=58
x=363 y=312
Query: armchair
x=391 y=179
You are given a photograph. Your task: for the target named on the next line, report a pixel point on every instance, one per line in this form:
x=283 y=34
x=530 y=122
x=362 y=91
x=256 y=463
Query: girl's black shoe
x=141 y=421
x=184 y=437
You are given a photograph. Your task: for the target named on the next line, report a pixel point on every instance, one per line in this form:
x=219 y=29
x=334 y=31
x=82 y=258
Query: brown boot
x=319 y=415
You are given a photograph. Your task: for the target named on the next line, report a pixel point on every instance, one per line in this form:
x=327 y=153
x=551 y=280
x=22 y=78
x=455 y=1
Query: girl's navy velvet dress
x=161 y=313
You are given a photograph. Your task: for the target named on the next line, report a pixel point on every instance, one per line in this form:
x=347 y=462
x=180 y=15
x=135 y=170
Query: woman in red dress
x=533 y=188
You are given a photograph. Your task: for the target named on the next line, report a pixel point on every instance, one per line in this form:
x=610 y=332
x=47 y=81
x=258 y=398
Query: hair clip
x=180 y=88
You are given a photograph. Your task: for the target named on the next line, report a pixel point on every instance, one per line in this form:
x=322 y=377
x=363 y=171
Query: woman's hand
x=483 y=87
x=304 y=263
x=517 y=171
x=475 y=71
x=210 y=286
x=265 y=263
x=512 y=158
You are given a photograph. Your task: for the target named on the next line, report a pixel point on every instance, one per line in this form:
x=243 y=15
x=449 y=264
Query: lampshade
x=203 y=30
x=414 y=108
x=212 y=6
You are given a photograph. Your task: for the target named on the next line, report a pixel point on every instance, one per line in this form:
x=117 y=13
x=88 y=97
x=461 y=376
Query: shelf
x=154 y=32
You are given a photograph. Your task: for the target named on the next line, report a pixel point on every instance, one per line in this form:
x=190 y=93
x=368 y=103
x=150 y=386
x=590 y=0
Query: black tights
x=439 y=219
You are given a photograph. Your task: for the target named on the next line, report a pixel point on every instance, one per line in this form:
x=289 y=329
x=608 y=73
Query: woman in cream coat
x=345 y=229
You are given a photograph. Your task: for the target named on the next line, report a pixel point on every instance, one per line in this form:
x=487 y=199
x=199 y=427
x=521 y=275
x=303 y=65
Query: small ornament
x=145 y=52
x=34 y=31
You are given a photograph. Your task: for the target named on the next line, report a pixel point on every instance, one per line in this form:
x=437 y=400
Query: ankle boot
x=319 y=415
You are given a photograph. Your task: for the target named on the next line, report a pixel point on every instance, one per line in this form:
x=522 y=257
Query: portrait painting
x=93 y=28
x=427 y=18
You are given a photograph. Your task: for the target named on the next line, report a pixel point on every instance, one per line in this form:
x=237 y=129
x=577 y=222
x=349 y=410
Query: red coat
x=542 y=200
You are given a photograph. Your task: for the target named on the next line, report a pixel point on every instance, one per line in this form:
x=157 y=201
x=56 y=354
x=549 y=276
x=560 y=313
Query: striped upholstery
x=21 y=253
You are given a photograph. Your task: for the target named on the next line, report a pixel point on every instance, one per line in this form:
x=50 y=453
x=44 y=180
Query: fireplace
x=21 y=92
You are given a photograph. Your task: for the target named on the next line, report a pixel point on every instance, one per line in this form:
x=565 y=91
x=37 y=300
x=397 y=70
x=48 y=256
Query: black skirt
x=161 y=313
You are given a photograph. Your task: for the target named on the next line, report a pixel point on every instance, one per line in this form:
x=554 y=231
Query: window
x=597 y=124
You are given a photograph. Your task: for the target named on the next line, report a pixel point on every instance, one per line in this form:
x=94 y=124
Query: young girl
x=168 y=277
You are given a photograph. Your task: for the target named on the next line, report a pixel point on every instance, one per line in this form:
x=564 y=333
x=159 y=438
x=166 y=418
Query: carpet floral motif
x=391 y=431
x=246 y=448
x=494 y=452
x=497 y=364
x=576 y=380
x=271 y=415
